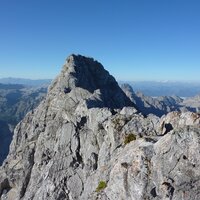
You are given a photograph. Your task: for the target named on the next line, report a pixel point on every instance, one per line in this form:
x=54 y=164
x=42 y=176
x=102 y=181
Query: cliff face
x=86 y=140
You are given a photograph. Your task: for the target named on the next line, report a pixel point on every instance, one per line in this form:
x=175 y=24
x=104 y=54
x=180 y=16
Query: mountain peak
x=89 y=80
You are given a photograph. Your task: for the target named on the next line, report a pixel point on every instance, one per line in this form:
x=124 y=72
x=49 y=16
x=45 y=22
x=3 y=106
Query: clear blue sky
x=133 y=39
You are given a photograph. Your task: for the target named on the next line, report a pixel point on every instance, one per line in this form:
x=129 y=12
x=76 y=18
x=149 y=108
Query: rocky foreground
x=88 y=141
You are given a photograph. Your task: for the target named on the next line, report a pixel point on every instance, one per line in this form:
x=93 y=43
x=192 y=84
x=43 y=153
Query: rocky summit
x=87 y=141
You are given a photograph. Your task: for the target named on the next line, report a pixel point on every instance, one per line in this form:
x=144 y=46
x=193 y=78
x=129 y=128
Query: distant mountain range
x=161 y=105
x=15 y=101
x=155 y=88
x=27 y=82
x=148 y=88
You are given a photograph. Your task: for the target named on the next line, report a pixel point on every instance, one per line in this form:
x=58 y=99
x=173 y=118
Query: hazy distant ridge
x=23 y=81
x=149 y=88
x=155 y=88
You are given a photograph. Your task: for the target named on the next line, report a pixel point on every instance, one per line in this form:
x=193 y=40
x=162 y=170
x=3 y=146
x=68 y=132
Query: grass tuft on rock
x=102 y=185
x=129 y=138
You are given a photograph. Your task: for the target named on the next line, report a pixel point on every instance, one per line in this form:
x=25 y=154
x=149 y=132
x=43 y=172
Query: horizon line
x=118 y=80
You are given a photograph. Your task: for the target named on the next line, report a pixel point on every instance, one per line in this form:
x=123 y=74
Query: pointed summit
x=89 y=80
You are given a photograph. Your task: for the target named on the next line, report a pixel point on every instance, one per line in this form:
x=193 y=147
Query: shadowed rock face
x=80 y=137
x=84 y=75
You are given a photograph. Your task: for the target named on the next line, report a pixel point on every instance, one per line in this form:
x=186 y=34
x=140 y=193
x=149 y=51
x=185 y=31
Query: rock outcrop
x=87 y=140
x=193 y=103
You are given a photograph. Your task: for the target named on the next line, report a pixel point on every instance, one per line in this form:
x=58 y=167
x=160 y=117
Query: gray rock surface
x=87 y=141
x=192 y=102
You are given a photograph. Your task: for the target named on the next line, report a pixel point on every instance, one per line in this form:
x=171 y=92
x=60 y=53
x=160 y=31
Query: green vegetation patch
x=129 y=138
x=102 y=185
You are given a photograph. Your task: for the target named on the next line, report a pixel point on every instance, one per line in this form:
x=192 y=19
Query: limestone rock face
x=166 y=169
x=177 y=120
x=60 y=140
x=176 y=165
x=86 y=80
x=87 y=141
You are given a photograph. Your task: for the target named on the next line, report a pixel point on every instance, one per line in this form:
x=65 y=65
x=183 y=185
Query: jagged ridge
x=77 y=138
